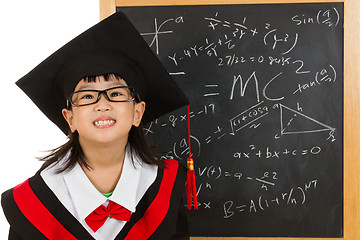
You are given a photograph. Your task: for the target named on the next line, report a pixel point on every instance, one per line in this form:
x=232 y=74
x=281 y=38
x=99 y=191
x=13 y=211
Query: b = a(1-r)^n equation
x=295 y=196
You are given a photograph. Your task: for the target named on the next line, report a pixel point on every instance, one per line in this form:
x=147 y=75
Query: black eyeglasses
x=88 y=97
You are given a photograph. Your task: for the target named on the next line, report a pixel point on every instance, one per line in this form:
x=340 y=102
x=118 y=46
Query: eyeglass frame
x=100 y=92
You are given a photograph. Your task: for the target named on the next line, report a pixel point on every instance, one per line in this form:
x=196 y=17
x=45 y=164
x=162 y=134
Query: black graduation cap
x=111 y=46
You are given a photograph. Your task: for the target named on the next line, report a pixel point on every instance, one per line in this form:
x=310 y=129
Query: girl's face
x=104 y=122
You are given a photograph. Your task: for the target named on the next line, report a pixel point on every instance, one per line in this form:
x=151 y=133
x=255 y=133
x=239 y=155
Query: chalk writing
x=298 y=116
x=272 y=39
x=157 y=31
x=247 y=117
x=322 y=76
x=276 y=153
x=294 y=196
x=265 y=89
x=328 y=17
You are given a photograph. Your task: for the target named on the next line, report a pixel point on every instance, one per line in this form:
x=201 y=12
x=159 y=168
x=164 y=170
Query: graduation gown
x=34 y=212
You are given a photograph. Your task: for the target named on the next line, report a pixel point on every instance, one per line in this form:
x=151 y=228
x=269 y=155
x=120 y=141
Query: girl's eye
x=115 y=94
x=87 y=96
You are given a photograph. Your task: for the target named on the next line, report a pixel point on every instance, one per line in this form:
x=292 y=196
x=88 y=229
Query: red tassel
x=190 y=180
x=191 y=185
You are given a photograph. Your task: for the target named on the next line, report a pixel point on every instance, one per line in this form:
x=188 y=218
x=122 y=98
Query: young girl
x=105 y=182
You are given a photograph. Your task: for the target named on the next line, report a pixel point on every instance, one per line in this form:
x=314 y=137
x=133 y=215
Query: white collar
x=87 y=198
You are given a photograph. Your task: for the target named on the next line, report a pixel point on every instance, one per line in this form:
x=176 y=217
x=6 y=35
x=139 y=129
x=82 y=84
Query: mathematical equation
x=324 y=76
x=266 y=179
x=270 y=153
x=329 y=17
x=295 y=196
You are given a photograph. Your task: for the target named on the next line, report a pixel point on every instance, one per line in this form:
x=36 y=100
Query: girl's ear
x=139 y=112
x=69 y=117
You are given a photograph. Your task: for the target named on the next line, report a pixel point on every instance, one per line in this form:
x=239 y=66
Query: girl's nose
x=103 y=104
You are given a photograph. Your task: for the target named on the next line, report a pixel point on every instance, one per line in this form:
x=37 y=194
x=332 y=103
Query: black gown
x=34 y=212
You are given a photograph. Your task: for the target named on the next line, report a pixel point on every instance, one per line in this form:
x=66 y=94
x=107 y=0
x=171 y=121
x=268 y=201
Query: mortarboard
x=111 y=46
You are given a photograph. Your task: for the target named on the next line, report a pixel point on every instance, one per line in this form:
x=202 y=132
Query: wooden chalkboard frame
x=351 y=144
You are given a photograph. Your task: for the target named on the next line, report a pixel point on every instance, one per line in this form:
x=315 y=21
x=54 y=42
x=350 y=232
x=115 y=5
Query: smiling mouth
x=104 y=123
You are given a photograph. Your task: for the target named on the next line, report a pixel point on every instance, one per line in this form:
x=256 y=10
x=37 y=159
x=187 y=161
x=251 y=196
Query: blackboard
x=265 y=83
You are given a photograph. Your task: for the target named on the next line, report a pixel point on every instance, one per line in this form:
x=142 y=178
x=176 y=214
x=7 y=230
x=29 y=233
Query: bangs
x=107 y=77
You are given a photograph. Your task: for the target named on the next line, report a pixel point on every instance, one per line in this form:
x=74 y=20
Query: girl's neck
x=106 y=162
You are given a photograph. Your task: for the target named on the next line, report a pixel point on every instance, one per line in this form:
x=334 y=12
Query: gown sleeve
x=13 y=235
x=182 y=227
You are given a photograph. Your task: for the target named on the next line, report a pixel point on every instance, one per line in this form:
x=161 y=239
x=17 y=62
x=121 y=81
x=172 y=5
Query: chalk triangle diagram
x=294 y=122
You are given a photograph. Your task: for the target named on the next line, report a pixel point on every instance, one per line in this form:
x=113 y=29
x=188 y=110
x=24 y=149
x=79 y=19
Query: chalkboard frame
x=351 y=113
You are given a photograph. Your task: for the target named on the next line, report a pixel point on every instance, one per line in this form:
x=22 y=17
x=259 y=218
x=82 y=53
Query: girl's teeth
x=107 y=122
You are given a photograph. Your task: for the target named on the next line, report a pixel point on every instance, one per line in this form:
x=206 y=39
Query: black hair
x=71 y=152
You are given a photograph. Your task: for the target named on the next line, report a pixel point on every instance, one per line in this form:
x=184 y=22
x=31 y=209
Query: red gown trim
x=38 y=214
x=157 y=210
